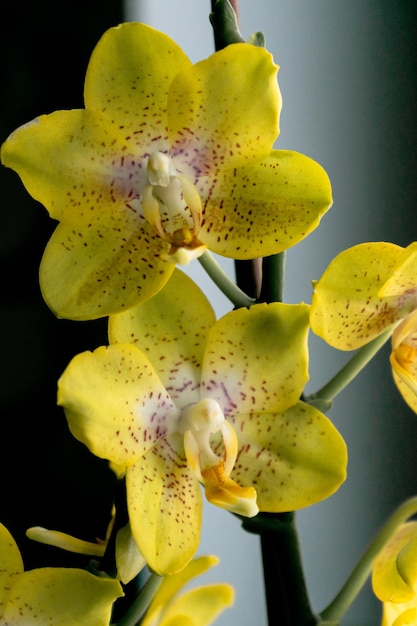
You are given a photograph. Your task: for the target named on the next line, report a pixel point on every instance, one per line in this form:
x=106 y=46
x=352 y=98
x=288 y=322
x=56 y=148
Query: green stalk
x=139 y=606
x=348 y=593
x=273 y=269
x=224 y=282
x=349 y=371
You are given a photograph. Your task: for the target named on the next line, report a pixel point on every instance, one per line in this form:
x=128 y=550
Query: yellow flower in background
x=364 y=291
x=49 y=595
x=179 y=399
x=404 y=358
x=196 y=607
x=167 y=159
x=394 y=577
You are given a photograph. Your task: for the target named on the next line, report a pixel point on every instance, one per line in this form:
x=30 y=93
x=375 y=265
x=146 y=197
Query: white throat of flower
x=172 y=205
x=213 y=467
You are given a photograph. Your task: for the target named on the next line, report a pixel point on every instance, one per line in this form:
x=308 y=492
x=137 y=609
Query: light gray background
x=347 y=77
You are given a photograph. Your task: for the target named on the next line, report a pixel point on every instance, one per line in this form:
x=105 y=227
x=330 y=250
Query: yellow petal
x=164 y=503
x=11 y=565
x=404 y=359
x=403 y=278
x=128 y=78
x=257 y=359
x=129 y=559
x=171 y=329
x=224 y=111
x=90 y=272
x=171 y=585
x=387 y=582
x=115 y=403
x=74 y=162
x=198 y=607
x=62 y=597
x=262 y=209
x=346 y=310
x=293 y=459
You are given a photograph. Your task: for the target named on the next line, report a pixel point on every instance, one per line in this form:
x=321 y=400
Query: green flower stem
x=286 y=594
x=273 y=269
x=139 y=606
x=223 y=281
x=350 y=370
x=338 y=607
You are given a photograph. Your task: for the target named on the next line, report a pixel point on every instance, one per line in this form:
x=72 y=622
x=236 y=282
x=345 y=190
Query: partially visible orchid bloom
x=364 y=291
x=49 y=595
x=129 y=560
x=179 y=399
x=196 y=607
x=404 y=358
x=394 y=577
x=167 y=159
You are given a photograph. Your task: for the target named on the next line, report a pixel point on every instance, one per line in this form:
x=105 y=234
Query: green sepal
x=257 y=39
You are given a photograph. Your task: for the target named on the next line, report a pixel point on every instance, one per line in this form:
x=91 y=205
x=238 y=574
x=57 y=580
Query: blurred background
x=348 y=79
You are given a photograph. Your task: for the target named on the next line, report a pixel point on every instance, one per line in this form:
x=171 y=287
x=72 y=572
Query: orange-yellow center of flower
x=211 y=448
x=172 y=205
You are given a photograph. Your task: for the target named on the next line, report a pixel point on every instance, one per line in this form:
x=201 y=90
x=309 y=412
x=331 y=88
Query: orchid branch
x=348 y=593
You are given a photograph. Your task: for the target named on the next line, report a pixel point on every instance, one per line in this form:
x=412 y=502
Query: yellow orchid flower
x=404 y=359
x=394 y=577
x=364 y=291
x=49 y=595
x=167 y=159
x=179 y=399
x=197 y=607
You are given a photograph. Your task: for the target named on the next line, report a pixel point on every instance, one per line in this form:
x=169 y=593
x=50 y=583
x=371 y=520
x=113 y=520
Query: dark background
x=46 y=477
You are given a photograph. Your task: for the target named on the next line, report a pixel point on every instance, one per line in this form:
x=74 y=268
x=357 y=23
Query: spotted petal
x=264 y=208
x=128 y=78
x=171 y=329
x=402 y=281
x=165 y=507
x=224 y=111
x=103 y=268
x=115 y=403
x=346 y=310
x=74 y=162
x=257 y=359
x=62 y=597
x=11 y=565
x=293 y=459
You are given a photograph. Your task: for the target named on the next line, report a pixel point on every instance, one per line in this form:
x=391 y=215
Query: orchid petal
x=265 y=208
x=74 y=162
x=293 y=459
x=46 y=596
x=114 y=403
x=165 y=506
x=224 y=110
x=171 y=585
x=11 y=565
x=256 y=359
x=129 y=559
x=103 y=268
x=402 y=281
x=128 y=78
x=171 y=329
x=404 y=359
x=388 y=583
x=198 y=607
x=346 y=310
